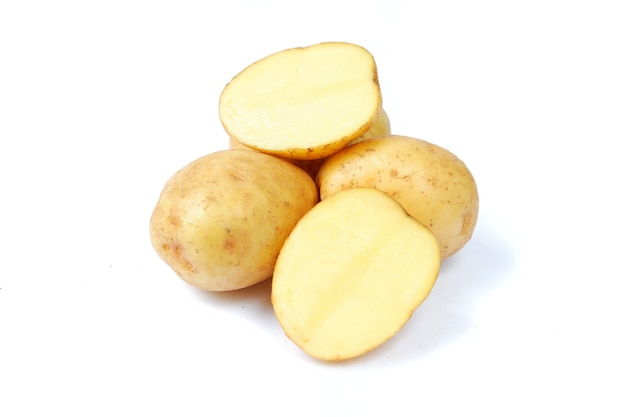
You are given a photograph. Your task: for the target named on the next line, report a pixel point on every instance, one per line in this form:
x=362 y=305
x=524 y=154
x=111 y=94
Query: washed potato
x=221 y=221
x=381 y=126
x=432 y=184
x=351 y=274
x=303 y=103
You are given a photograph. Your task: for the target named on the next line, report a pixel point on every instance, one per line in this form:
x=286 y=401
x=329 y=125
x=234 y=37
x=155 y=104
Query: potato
x=351 y=273
x=431 y=183
x=381 y=126
x=303 y=103
x=221 y=221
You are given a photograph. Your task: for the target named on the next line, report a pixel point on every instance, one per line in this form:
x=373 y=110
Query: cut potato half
x=303 y=103
x=351 y=273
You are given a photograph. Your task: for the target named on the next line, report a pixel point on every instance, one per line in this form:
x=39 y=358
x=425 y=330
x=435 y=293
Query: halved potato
x=303 y=103
x=351 y=273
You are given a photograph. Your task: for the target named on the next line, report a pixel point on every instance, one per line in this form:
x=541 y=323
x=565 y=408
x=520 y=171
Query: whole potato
x=221 y=221
x=433 y=185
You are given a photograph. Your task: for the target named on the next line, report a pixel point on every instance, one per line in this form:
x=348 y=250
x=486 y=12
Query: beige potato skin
x=380 y=127
x=220 y=221
x=432 y=184
x=310 y=166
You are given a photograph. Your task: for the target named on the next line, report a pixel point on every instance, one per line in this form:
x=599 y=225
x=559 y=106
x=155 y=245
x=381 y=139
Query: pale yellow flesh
x=351 y=274
x=303 y=103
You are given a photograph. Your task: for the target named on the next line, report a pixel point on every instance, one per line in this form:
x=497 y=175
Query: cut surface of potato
x=351 y=274
x=303 y=103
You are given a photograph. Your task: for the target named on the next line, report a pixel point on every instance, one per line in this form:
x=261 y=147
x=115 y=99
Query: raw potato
x=381 y=127
x=432 y=184
x=220 y=221
x=351 y=274
x=303 y=103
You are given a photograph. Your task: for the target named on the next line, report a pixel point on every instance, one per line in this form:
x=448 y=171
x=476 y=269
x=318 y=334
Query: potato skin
x=381 y=127
x=310 y=166
x=432 y=184
x=220 y=221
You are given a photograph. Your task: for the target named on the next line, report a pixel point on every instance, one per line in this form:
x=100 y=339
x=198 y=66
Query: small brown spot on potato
x=236 y=177
x=467 y=223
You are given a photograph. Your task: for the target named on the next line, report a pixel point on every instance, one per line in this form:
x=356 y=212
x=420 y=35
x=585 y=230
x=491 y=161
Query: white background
x=101 y=102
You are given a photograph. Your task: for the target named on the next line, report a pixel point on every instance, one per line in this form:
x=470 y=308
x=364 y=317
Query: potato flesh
x=351 y=274
x=303 y=103
x=432 y=184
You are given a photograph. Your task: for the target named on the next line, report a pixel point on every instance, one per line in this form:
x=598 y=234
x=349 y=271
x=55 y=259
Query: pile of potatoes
x=313 y=190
